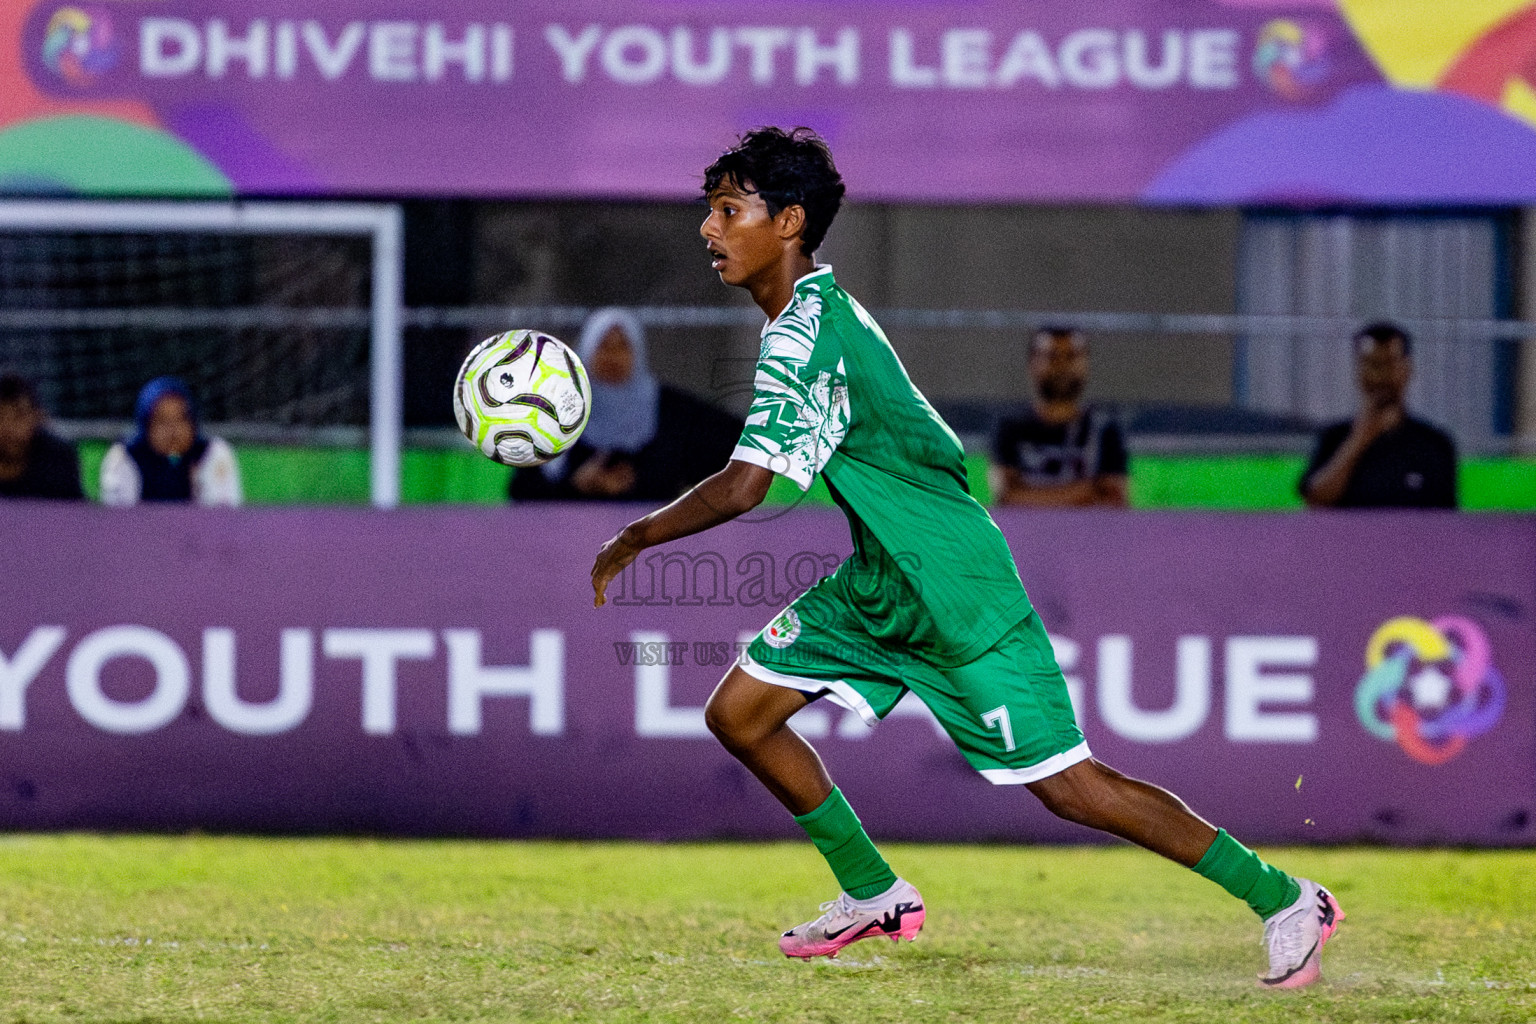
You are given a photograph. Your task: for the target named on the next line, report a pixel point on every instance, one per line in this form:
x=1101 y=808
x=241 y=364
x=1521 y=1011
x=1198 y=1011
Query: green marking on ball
x=485 y=419
x=554 y=441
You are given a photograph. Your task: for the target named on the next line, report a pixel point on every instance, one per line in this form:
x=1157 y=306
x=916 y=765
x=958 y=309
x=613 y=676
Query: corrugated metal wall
x=1400 y=267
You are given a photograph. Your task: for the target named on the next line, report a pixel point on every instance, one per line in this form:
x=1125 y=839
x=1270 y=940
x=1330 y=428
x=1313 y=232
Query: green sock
x=836 y=831
x=1237 y=869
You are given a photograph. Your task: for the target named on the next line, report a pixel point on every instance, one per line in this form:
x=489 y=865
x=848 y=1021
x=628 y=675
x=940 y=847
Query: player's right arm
x=799 y=415
x=738 y=488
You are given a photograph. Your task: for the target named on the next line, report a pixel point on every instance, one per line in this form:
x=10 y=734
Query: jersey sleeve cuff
x=781 y=464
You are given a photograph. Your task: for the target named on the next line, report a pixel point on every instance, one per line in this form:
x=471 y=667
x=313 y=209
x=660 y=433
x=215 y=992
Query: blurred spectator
x=168 y=458
x=644 y=441
x=1383 y=458
x=1062 y=453
x=33 y=462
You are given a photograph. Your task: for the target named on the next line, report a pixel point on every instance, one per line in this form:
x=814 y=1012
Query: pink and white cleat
x=896 y=913
x=1296 y=935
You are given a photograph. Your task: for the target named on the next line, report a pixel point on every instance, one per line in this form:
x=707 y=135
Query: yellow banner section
x=1415 y=41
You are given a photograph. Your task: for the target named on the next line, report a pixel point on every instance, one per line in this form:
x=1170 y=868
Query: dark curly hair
x=786 y=168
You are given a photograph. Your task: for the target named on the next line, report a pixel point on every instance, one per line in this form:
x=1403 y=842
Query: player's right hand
x=612 y=558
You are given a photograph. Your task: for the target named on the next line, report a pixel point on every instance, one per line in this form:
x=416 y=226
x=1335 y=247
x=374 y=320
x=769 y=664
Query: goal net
x=284 y=318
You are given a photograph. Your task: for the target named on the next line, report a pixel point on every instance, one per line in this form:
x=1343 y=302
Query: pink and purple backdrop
x=1164 y=101
x=1220 y=655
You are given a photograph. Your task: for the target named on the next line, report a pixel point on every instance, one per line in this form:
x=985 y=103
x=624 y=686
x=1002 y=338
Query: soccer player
x=929 y=601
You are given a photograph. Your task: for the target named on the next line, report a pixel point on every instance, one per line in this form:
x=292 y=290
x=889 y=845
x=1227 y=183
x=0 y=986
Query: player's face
x=743 y=239
x=170 y=430
x=1059 y=365
x=614 y=359
x=18 y=422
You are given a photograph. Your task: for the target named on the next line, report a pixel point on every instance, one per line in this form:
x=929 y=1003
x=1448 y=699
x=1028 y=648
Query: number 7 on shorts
x=997 y=719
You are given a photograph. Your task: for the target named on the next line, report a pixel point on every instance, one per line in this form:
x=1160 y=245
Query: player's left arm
x=738 y=488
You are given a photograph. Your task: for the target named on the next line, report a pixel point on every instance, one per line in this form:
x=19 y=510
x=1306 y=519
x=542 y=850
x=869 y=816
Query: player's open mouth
x=716 y=258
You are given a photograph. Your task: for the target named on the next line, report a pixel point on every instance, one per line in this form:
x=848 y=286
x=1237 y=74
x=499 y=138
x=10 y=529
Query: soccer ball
x=522 y=397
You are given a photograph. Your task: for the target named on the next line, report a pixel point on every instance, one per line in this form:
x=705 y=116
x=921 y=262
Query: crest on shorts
x=783 y=630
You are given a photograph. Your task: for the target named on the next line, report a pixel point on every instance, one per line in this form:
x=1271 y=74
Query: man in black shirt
x=1062 y=453
x=33 y=463
x=1383 y=458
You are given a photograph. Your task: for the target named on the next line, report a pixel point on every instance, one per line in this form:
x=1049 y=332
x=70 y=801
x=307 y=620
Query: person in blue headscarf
x=168 y=458
x=644 y=440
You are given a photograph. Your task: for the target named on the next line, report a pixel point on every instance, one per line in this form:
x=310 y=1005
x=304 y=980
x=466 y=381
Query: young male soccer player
x=929 y=600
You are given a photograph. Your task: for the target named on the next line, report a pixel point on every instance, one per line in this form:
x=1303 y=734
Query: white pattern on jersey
x=799 y=415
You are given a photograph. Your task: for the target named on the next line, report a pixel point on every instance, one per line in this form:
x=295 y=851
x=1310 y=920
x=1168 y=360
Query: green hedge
x=1269 y=482
x=277 y=475
x=280 y=475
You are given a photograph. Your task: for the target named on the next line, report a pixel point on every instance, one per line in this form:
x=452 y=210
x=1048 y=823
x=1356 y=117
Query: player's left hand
x=612 y=559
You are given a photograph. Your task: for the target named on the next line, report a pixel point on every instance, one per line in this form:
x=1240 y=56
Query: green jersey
x=929 y=570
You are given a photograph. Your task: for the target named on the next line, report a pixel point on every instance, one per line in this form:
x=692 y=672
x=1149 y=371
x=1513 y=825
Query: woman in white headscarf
x=625 y=398
x=644 y=441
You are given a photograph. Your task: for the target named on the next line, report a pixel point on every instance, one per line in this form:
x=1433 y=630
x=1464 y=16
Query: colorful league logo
x=1431 y=686
x=1291 y=58
x=79 y=45
x=783 y=630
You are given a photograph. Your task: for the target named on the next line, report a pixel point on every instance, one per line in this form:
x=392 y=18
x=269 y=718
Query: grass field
x=233 y=929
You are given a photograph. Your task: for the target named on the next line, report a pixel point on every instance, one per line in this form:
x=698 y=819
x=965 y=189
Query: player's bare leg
x=1092 y=793
x=751 y=720
x=1297 y=922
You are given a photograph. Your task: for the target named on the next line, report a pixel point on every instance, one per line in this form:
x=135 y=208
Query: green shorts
x=1008 y=710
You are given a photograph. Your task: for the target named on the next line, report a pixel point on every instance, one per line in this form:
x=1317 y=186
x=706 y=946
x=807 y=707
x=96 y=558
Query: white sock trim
x=876 y=902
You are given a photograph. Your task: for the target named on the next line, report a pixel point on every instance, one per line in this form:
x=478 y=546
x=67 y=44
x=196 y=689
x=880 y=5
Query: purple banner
x=1178 y=101
x=1295 y=678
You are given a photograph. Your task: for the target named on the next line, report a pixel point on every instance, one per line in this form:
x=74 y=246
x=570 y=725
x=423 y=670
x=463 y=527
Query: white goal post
x=378 y=221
